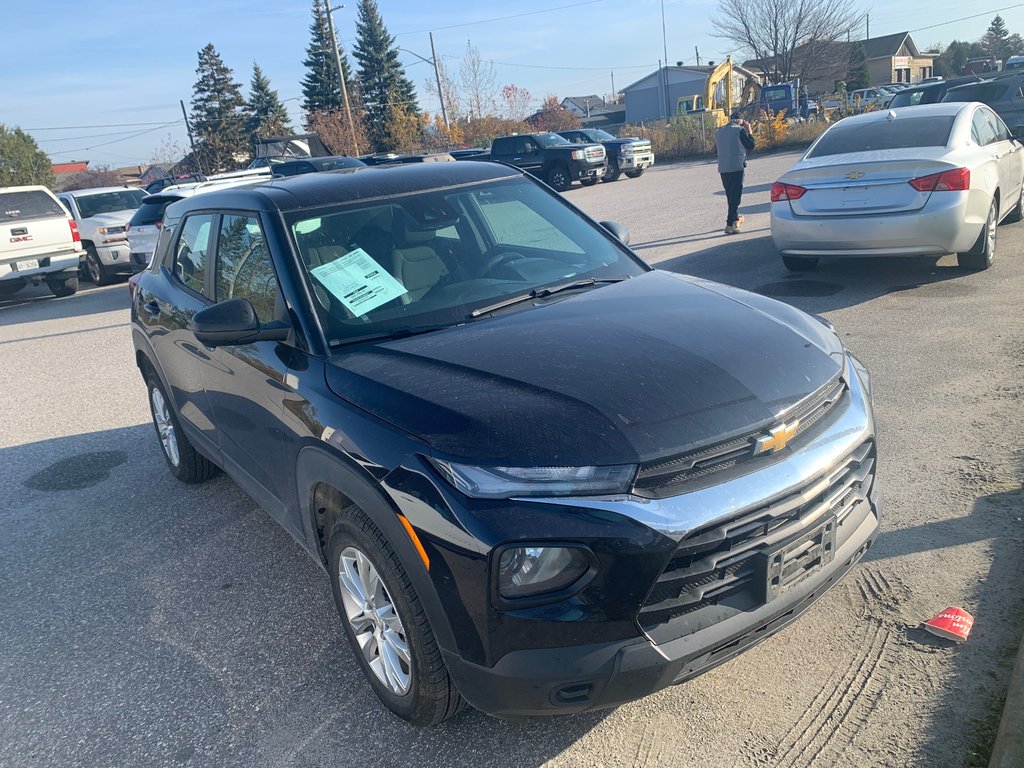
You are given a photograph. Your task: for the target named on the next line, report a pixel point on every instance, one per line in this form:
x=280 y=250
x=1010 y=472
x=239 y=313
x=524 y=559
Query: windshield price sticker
x=358 y=282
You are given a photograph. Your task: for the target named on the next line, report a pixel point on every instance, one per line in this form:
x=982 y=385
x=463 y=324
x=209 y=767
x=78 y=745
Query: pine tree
x=994 y=40
x=383 y=85
x=21 y=160
x=320 y=87
x=218 y=117
x=267 y=115
x=857 y=75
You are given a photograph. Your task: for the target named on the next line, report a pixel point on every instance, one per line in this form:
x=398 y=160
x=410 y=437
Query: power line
x=116 y=141
x=83 y=127
x=966 y=18
x=501 y=18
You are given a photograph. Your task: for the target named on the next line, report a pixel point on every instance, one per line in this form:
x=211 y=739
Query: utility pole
x=613 y=84
x=437 y=75
x=664 y=45
x=341 y=74
x=696 y=53
x=867 y=17
x=191 y=141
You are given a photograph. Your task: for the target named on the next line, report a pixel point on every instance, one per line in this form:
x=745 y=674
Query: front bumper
x=583 y=172
x=116 y=257
x=574 y=677
x=559 y=681
x=636 y=162
x=944 y=225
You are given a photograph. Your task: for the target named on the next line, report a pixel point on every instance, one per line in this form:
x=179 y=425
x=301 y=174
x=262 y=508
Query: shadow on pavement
x=148 y=622
x=753 y=264
x=39 y=304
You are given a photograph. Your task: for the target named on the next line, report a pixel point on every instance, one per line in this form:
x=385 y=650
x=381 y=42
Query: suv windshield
x=28 y=204
x=551 y=140
x=901 y=133
x=427 y=260
x=986 y=93
x=108 y=202
x=598 y=135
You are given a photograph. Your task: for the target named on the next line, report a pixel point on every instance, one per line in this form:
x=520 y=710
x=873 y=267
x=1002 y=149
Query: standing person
x=734 y=140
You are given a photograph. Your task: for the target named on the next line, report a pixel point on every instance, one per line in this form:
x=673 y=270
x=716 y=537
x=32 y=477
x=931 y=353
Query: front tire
x=613 y=172
x=636 y=174
x=559 y=179
x=800 y=263
x=184 y=461
x=95 y=269
x=983 y=254
x=60 y=288
x=386 y=625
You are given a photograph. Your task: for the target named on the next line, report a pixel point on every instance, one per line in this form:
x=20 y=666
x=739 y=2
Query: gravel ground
x=149 y=623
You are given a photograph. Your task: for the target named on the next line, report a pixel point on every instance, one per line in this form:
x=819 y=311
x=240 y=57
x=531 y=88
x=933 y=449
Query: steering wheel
x=498 y=258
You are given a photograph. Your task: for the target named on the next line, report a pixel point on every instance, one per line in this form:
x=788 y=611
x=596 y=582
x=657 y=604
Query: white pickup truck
x=102 y=215
x=39 y=242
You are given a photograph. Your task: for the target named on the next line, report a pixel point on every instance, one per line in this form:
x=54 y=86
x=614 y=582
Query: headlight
x=507 y=482
x=529 y=571
x=626 y=150
x=578 y=154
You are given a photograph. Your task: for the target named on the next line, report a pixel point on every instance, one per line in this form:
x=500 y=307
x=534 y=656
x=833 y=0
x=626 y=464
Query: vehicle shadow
x=194 y=626
x=753 y=264
x=982 y=666
x=38 y=303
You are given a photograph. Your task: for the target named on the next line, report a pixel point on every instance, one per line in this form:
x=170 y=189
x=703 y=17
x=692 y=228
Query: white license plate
x=27 y=264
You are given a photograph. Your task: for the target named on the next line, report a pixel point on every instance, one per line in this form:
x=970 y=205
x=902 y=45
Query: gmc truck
x=547 y=156
x=630 y=156
x=38 y=242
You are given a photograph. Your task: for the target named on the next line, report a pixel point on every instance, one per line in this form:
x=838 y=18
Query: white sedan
x=926 y=180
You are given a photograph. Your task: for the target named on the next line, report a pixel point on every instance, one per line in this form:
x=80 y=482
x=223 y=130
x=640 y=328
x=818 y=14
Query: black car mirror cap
x=619 y=231
x=234 y=321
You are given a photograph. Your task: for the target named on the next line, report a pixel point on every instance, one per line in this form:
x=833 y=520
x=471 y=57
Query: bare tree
x=449 y=90
x=788 y=38
x=517 y=102
x=169 y=151
x=477 y=83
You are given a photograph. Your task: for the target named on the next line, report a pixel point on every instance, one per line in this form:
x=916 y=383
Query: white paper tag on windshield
x=358 y=282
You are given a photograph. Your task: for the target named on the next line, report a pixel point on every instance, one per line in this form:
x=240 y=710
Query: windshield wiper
x=397 y=333
x=539 y=293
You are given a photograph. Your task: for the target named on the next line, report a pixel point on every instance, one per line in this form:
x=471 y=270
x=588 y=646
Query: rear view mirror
x=619 y=232
x=234 y=322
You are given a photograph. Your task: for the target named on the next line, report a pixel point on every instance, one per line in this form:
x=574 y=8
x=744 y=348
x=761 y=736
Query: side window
x=190 y=251
x=524 y=146
x=982 y=130
x=243 y=267
x=1002 y=133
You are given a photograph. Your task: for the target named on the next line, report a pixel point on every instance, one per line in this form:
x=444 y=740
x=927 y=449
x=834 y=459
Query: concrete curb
x=1008 y=751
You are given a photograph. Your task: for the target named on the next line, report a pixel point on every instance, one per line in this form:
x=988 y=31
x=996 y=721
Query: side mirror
x=619 y=232
x=234 y=322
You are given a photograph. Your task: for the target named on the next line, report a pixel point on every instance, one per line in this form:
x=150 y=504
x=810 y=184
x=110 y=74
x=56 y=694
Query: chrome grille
x=727 y=562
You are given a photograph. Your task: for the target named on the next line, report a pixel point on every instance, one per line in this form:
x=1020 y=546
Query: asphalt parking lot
x=148 y=623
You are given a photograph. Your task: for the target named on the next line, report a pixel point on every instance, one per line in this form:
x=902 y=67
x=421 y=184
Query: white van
x=39 y=242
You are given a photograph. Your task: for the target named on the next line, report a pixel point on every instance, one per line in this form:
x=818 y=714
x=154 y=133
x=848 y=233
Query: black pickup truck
x=547 y=156
x=629 y=156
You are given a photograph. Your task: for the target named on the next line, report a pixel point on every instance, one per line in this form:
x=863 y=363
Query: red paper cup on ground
x=952 y=623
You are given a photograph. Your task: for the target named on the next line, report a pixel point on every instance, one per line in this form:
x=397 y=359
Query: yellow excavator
x=708 y=101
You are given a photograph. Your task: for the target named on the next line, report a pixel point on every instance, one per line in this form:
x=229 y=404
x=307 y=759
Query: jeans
x=733 y=183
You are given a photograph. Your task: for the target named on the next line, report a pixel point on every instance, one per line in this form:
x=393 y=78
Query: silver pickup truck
x=39 y=242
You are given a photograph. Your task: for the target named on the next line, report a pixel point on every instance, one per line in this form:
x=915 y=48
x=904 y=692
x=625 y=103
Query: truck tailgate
x=33 y=225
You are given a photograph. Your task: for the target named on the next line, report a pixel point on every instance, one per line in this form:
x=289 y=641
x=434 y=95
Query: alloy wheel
x=165 y=426
x=375 y=623
x=93 y=268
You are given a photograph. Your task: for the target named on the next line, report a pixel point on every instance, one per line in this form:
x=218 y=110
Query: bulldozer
x=708 y=101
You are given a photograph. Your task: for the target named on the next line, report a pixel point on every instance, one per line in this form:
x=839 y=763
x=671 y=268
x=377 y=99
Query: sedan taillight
x=956 y=180
x=75 y=237
x=782 y=192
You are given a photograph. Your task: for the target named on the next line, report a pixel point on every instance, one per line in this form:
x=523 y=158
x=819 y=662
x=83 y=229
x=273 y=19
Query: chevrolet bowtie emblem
x=776 y=439
x=854 y=175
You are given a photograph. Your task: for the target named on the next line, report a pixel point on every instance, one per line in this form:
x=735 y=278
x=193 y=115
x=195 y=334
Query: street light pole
x=437 y=75
x=341 y=74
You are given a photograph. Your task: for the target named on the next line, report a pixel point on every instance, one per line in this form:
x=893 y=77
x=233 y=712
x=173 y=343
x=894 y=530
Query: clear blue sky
x=71 y=65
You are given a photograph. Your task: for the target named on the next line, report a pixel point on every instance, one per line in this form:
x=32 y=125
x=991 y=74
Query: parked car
x=630 y=156
x=927 y=93
x=926 y=180
x=1005 y=94
x=980 y=65
x=102 y=215
x=146 y=224
x=314 y=164
x=155 y=186
x=867 y=98
x=549 y=157
x=542 y=476
x=39 y=242
x=1013 y=63
x=394 y=158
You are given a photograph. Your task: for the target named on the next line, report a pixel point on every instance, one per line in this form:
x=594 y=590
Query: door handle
x=152 y=308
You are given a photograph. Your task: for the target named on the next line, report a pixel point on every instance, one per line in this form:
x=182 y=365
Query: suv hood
x=629 y=372
x=112 y=219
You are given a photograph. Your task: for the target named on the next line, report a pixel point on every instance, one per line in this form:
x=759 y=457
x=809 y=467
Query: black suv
x=543 y=477
x=1005 y=94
